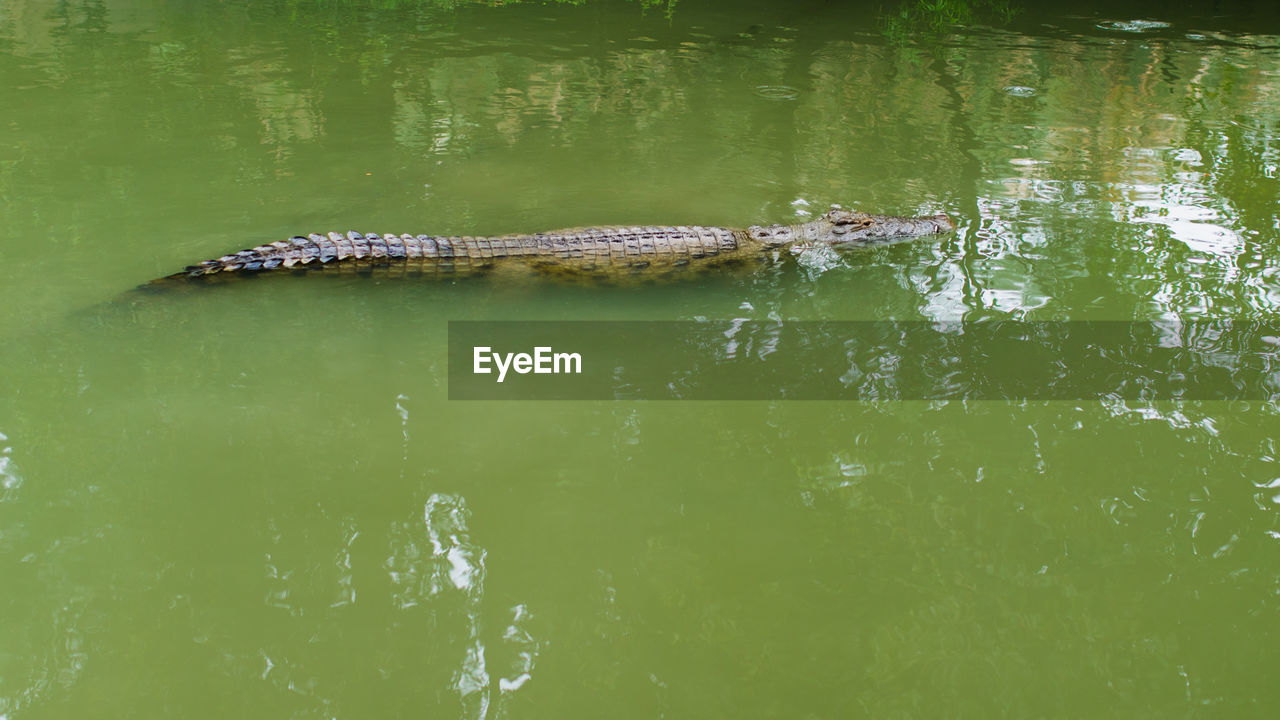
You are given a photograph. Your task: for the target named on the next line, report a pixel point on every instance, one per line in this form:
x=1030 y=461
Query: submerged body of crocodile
x=583 y=251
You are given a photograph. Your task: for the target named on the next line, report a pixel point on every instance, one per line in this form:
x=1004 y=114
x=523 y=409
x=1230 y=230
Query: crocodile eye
x=772 y=235
x=848 y=218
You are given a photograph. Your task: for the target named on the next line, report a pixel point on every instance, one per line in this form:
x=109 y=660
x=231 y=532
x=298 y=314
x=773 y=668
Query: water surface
x=255 y=500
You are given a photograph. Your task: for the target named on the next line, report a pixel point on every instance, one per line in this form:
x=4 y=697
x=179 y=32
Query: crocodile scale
x=599 y=246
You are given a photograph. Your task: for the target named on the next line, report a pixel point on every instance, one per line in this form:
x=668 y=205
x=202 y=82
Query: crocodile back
x=596 y=247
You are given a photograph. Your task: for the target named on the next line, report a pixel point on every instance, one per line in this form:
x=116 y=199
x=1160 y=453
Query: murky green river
x=256 y=500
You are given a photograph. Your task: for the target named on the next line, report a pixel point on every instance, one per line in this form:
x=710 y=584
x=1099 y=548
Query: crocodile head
x=846 y=227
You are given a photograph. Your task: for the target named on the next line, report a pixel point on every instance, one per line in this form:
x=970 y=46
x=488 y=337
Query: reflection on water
x=44 y=637
x=455 y=566
x=10 y=480
x=436 y=592
x=1053 y=151
x=257 y=498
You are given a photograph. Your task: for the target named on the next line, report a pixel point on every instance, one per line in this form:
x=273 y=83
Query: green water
x=255 y=500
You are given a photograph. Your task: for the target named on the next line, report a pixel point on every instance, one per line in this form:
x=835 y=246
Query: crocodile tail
x=297 y=250
x=250 y=260
x=314 y=248
x=262 y=257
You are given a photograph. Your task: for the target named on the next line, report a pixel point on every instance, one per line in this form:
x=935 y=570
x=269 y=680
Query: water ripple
x=777 y=92
x=1133 y=26
x=1020 y=91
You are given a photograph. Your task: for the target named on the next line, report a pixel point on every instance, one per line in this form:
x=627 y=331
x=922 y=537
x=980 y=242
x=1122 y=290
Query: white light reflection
x=456 y=567
x=10 y=480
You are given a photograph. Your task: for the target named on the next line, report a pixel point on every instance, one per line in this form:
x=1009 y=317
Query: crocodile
x=584 y=252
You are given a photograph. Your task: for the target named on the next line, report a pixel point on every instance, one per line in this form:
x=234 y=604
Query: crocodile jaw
x=884 y=228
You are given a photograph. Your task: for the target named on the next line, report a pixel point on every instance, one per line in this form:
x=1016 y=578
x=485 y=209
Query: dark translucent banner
x=881 y=360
